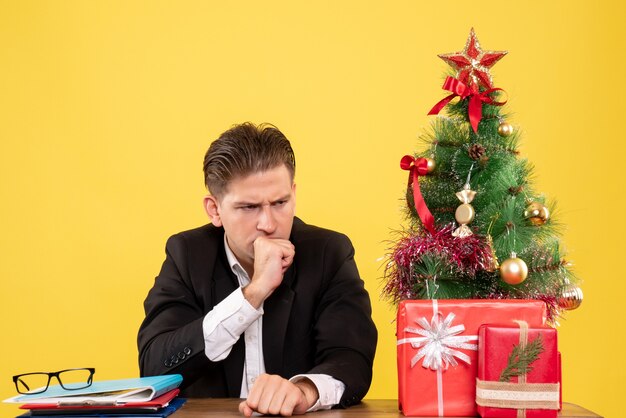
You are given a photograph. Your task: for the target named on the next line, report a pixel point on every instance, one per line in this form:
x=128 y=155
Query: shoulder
x=320 y=249
x=204 y=235
x=194 y=252
x=195 y=243
x=303 y=234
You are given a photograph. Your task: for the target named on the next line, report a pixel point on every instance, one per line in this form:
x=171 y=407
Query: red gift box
x=437 y=350
x=534 y=394
x=560 y=382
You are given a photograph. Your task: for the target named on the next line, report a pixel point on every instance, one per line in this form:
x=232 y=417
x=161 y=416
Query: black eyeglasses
x=38 y=382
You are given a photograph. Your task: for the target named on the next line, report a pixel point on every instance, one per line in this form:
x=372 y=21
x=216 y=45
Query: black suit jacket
x=317 y=321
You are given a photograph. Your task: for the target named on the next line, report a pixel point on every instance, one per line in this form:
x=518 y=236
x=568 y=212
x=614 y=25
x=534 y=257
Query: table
x=379 y=408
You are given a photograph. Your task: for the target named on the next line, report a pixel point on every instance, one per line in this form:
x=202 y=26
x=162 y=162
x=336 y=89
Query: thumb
x=245 y=409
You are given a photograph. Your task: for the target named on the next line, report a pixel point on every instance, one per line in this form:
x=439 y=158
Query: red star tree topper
x=473 y=64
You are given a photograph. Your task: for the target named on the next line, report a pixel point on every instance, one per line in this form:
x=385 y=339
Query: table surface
x=379 y=408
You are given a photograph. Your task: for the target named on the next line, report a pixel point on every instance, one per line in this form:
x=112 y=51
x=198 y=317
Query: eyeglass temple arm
x=23 y=383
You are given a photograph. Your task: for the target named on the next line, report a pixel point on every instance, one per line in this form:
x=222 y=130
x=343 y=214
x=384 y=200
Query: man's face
x=260 y=204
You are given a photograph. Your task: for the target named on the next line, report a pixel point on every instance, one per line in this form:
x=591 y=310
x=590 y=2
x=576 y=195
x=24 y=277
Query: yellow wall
x=106 y=109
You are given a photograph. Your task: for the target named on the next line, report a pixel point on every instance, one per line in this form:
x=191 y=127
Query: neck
x=248 y=267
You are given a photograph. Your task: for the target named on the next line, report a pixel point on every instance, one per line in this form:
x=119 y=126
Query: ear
x=293 y=192
x=211 y=206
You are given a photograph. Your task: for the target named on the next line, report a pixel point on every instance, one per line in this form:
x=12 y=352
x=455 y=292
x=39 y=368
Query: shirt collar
x=235 y=265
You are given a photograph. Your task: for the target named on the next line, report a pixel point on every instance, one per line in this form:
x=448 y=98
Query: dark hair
x=246 y=149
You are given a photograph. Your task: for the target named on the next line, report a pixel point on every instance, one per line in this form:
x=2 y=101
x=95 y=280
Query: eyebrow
x=245 y=203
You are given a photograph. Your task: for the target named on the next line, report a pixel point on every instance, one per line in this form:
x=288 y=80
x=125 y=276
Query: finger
x=276 y=404
x=284 y=244
x=255 y=394
x=270 y=386
x=244 y=409
x=288 y=255
x=262 y=388
x=289 y=251
x=294 y=403
x=286 y=262
x=290 y=247
x=278 y=247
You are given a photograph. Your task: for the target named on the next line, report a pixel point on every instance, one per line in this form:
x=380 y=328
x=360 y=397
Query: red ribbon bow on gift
x=462 y=90
x=418 y=167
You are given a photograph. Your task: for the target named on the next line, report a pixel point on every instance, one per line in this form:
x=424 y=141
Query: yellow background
x=107 y=108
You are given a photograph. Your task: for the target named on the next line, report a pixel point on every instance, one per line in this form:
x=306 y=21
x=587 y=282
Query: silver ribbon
x=439 y=342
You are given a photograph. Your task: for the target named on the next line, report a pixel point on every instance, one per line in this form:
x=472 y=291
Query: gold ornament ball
x=513 y=271
x=505 y=129
x=430 y=165
x=464 y=214
x=570 y=298
x=536 y=213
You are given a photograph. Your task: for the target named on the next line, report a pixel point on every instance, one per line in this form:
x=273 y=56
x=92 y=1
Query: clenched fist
x=272 y=394
x=272 y=257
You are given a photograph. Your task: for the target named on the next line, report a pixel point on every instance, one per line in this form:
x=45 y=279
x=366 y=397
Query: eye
x=279 y=203
x=248 y=208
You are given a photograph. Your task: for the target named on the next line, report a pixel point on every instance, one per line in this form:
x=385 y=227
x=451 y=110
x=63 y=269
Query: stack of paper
x=153 y=396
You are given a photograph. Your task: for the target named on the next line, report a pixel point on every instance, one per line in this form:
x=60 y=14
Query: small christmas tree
x=477 y=228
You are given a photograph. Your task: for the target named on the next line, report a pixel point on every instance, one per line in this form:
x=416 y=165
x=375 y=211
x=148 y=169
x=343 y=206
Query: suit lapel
x=224 y=283
x=224 y=280
x=277 y=310
x=276 y=317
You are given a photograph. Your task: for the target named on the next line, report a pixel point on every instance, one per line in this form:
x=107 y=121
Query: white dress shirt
x=234 y=316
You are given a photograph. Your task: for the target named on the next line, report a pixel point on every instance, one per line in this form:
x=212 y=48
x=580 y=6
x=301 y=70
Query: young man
x=259 y=305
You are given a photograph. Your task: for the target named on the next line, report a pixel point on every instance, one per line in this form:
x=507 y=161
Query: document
x=106 y=392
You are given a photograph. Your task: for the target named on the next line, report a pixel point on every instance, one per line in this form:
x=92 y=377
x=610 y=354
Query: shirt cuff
x=225 y=323
x=330 y=390
x=234 y=313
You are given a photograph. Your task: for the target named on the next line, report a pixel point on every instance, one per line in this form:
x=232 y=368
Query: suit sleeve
x=345 y=333
x=170 y=338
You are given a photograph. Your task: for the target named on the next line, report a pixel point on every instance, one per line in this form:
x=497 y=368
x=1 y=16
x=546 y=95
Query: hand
x=272 y=257
x=272 y=394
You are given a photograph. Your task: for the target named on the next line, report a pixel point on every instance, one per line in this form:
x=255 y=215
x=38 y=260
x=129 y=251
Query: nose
x=266 y=222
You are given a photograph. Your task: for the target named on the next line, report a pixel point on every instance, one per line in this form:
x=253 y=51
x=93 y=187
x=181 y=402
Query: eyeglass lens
x=75 y=378
x=32 y=383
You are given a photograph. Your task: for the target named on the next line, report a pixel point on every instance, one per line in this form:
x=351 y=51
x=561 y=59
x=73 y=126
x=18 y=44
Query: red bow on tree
x=462 y=90
x=418 y=167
